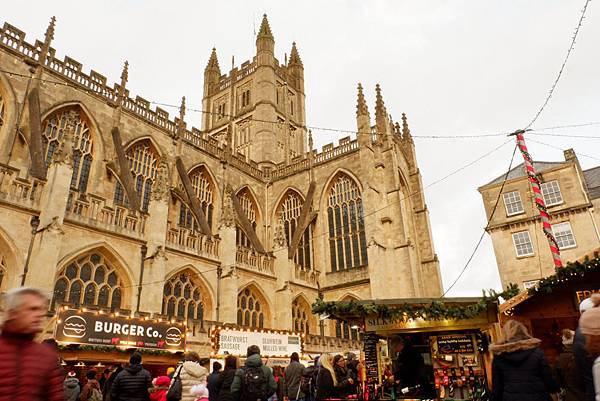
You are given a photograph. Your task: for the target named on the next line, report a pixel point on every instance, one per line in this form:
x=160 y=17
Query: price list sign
x=370 y=341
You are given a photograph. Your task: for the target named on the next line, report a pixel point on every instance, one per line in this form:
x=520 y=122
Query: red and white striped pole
x=539 y=198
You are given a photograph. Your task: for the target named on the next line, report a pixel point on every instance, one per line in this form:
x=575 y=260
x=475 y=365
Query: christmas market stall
x=99 y=339
x=276 y=346
x=423 y=349
x=552 y=305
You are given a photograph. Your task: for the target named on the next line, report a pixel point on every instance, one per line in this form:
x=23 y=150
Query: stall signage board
x=375 y=323
x=90 y=328
x=235 y=342
x=584 y=294
x=455 y=344
x=370 y=341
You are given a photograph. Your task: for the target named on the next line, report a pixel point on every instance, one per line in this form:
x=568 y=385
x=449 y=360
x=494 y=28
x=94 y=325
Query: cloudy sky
x=455 y=67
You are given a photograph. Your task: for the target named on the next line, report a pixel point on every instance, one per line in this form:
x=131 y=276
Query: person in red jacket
x=29 y=371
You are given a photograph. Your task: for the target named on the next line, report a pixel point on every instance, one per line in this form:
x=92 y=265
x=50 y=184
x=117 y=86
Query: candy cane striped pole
x=539 y=199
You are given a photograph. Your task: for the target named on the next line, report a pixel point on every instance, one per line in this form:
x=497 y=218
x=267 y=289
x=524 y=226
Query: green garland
x=112 y=348
x=437 y=310
x=566 y=273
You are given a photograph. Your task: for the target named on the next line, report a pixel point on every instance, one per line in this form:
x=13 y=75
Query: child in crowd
x=160 y=387
x=200 y=392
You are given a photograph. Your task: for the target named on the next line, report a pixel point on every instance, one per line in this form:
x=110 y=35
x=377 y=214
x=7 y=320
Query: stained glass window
x=250 y=310
x=182 y=298
x=289 y=211
x=143 y=162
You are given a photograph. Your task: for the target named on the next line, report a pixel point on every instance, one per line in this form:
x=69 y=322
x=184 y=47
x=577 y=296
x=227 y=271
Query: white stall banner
x=236 y=342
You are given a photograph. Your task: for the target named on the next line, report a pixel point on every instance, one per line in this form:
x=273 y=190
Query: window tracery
x=289 y=211
x=182 y=298
x=143 y=163
x=250 y=309
x=248 y=206
x=203 y=188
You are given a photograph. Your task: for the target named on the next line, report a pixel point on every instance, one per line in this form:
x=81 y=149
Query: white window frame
x=514 y=195
x=516 y=245
x=555 y=191
x=561 y=234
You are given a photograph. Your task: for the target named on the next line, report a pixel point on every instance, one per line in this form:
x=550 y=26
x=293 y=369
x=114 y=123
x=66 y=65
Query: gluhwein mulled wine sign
x=91 y=328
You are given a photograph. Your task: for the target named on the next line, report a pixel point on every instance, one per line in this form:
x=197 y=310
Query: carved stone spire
x=381 y=119
x=361 y=106
x=181 y=122
x=124 y=77
x=265 y=29
x=64 y=152
x=310 y=141
x=397 y=130
x=213 y=62
x=295 y=56
x=47 y=40
x=405 y=130
x=279 y=238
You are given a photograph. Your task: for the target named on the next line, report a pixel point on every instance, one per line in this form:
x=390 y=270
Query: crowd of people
x=29 y=371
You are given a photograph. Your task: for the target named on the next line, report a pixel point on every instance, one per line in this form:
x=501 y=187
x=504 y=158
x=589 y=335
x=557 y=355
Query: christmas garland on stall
x=112 y=348
x=564 y=274
x=437 y=310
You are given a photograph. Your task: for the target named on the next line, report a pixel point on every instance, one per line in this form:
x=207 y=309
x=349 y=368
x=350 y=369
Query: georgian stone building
x=106 y=202
x=572 y=196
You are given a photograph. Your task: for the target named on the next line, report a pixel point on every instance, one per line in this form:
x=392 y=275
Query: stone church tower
x=108 y=203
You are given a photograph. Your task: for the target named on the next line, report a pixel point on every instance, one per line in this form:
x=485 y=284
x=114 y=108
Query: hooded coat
x=584 y=365
x=71 y=388
x=190 y=373
x=238 y=380
x=568 y=377
x=520 y=371
x=223 y=385
x=86 y=392
x=131 y=384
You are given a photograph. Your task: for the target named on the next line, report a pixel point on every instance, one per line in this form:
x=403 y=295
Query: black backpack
x=175 y=392
x=254 y=384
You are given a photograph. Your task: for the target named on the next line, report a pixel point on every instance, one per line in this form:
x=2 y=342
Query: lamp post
x=34 y=223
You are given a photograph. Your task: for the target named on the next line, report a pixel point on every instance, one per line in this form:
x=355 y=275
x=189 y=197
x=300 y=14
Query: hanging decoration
x=570 y=271
x=436 y=310
x=535 y=181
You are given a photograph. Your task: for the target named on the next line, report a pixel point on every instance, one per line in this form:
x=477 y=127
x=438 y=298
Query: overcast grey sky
x=455 y=67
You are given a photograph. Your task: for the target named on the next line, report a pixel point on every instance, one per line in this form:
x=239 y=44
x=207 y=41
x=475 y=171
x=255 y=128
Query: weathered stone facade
x=239 y=222
x=572 y=196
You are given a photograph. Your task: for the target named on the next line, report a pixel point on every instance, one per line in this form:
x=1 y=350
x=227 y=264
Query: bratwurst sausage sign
x=78 y=327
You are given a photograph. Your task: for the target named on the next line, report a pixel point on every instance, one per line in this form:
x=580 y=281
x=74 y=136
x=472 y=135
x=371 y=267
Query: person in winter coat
x=328 y=385
x=133 y=382
x=225 y=379
x=91 y=389
x=200 y=392
x=213 y=392
x=582 y=358
x=567 y=374
x=190 y=372
x=253 y=361
x=589 y=324
x=71 y=387
x=519 y=370
x=160 y=386
x=29 y=371
x=109 y=383
x=279 y=377
x=345 y=382
x=310 y=375
x=293 y=378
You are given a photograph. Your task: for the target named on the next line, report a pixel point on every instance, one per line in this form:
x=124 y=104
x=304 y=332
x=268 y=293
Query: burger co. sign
x=78 y=327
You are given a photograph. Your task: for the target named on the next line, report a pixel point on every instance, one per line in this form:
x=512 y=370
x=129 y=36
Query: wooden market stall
x=447 y=338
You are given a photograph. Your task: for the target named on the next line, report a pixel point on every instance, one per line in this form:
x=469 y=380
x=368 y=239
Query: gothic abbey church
x=108 y=203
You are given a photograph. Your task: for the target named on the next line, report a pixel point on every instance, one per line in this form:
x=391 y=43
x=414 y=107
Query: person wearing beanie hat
x=589 y=325
x=200 y=392
x=583 y=360
x=566 y=372
x=71 y=387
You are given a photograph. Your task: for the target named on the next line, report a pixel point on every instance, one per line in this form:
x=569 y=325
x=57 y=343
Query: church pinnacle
x=295 y=56
x=213 y=62
x=265 y=29
x=381 y=119
x=361 y=106
x=405 y=130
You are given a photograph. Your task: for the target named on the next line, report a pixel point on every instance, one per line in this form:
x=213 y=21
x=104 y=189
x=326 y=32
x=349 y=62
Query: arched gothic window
x=345 y=216
x=143 y=162
x=289 y=212
x=249 y=208
x=203 y=188
x=182 y=298
x=250 y=310
x=52 y=137
x=300 y=316
x=89 y=281
x=343 y=330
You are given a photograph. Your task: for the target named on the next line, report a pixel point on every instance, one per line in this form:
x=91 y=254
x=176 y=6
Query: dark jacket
x=520 y=372
x=131 y=384
x=29 y=371
x=584 y=365
x=224 y=385
x=238 y=380
x=71 y=389
x=568 y=377
x=325 y=386
x=109 y=383
x=344 y=388
x=211 y=385
x=293 y=375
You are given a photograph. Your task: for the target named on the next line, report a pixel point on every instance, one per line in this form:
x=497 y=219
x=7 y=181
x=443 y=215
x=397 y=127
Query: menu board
x=455 y=344
x=370 y=341
x=236 y=342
